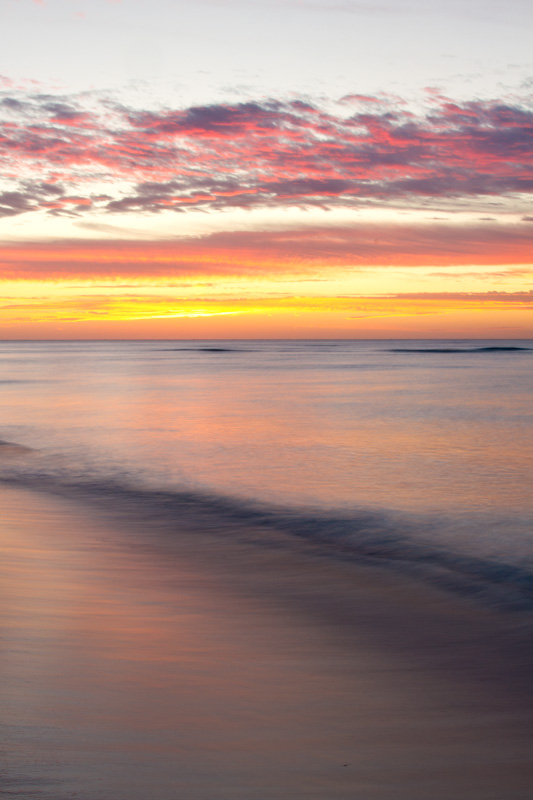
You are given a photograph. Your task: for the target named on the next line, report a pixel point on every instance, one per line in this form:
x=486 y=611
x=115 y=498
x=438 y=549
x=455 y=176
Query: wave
x=381 y=537
x=488 y=349
x=12 y=448
x=203 y=350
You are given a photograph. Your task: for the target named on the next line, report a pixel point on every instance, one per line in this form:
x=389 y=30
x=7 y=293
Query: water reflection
x=135 y=666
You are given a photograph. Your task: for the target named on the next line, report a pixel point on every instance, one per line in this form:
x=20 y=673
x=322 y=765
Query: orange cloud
x=296 y=251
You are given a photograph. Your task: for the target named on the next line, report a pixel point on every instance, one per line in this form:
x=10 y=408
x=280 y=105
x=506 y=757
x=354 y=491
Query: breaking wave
x=410 y=543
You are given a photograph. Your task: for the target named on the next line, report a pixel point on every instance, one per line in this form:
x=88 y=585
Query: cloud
x=516 y=298
x=269 y=153
x=488 y=275
x=290 y=251
x=13 y=203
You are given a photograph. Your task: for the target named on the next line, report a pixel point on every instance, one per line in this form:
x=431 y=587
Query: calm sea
x=417 y=452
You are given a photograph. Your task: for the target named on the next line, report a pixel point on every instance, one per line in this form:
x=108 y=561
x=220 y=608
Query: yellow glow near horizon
x=427 y=280
x=103 y=314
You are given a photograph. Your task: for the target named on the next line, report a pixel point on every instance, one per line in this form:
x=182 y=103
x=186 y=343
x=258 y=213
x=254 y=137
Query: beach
x=147 y=660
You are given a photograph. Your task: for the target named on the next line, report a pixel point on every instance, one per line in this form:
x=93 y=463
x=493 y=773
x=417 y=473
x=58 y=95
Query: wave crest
x=379 y=537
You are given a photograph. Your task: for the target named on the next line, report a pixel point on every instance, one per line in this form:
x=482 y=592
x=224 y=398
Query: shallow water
x=414 y=451
x=140 y=665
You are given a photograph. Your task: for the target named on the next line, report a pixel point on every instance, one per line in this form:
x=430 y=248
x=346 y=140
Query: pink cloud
x=267 y=153
x=288 y=252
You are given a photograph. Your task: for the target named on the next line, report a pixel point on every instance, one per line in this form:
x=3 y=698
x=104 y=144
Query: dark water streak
x=495 y=349
x=364 y=536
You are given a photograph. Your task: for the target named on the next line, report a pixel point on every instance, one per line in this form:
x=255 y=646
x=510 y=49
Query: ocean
x=418 y=453
x=266 y=570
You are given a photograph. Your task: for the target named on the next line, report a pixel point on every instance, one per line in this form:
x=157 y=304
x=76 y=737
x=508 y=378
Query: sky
x=266 y=169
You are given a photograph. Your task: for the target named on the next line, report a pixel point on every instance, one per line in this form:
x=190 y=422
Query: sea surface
x=414 y=453
x=266 y=570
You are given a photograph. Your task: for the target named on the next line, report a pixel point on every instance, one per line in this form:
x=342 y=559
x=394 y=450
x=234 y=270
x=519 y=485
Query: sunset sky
x=266 y=168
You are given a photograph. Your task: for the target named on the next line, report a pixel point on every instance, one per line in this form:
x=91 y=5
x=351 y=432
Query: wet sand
x=142 y=663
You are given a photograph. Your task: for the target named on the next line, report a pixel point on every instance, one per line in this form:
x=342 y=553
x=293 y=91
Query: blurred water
x=435 y=434
x=136 y=665
x=142 y=659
